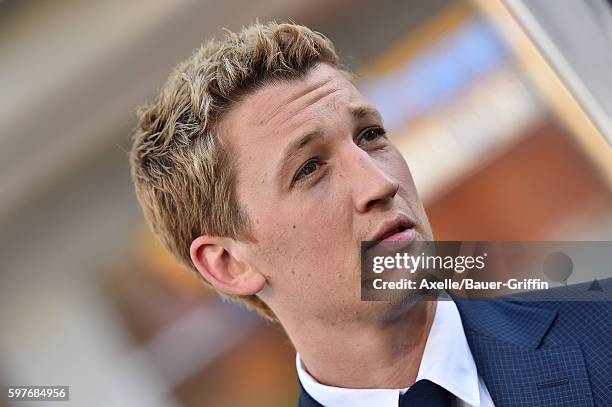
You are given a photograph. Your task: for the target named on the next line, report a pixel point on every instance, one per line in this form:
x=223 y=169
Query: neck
x=358 y=354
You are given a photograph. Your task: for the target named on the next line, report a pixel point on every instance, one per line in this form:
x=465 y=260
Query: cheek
x=305 y=244
x=410 y=195
x=397 y=167
x=400 y=170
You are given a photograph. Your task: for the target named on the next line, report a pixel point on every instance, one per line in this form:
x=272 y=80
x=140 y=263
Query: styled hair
x=181 y=167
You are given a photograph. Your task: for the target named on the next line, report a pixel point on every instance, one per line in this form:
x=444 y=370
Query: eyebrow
x=361 y=111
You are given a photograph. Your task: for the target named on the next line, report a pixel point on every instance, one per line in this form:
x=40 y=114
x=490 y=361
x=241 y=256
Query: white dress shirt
x=447 y=361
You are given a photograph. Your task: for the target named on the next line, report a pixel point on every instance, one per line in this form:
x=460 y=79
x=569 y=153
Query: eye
x=308 y=168
x=371 y=134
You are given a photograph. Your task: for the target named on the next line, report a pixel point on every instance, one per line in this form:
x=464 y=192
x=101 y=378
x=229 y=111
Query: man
x=263 y=168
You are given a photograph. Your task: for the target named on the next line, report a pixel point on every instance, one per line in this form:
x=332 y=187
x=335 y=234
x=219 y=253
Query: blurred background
x=502 y=109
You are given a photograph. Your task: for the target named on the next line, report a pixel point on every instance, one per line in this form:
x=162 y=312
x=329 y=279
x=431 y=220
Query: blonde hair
x=181 y=168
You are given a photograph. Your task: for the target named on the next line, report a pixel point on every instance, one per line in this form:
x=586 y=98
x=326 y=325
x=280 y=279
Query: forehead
x=280 y=109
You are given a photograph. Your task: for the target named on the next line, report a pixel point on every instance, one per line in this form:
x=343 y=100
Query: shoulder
x=588 y=322
x=558 y=315
x=574 y=302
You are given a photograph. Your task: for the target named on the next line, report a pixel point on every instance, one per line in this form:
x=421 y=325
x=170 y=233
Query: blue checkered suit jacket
x=539 y=353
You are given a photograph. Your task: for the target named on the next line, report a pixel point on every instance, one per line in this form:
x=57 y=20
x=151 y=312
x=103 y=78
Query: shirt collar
x=447 y=361
x=340 y=396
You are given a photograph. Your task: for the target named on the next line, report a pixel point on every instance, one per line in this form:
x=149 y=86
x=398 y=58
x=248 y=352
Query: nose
x=371 y=186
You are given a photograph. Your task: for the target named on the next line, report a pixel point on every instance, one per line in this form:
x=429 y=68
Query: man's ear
x=212 y=257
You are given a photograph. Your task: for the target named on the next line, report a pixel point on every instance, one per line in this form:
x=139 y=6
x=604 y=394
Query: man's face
x=317 y=175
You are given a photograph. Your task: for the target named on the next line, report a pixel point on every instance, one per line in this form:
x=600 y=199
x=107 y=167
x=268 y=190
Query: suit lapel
x=506 y=340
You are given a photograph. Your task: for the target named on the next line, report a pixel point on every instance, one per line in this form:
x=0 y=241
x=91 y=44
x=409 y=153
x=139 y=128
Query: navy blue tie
x=425 y=393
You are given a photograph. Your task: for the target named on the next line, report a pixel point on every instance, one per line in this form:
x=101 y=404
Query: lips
x=396 y=229
x=399 y=234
